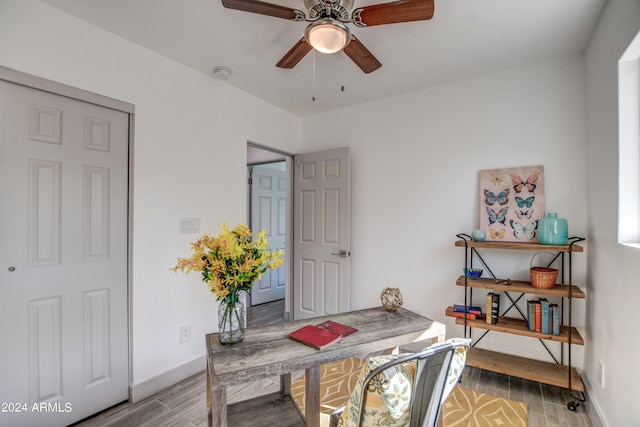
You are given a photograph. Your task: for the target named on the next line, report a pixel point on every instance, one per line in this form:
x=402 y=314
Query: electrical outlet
x=601 y=374
x=185 y=333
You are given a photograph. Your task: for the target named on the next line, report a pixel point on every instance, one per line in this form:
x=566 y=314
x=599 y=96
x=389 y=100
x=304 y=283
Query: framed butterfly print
x=511 y=203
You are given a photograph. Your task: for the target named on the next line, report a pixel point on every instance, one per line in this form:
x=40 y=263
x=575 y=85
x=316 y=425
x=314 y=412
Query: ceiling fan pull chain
x=342 y=72
x=314 y=76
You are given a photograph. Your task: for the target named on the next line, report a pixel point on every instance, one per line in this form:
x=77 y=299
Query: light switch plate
x=189 y=225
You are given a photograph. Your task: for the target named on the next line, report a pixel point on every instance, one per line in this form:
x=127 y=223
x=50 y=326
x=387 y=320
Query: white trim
x=273 y=150
x=130 y=250
x=153 y=385
x=24 y=79
x=592 y=408
x=629 y=144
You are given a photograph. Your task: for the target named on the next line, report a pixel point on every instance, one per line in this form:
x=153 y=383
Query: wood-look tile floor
x=184 y=403
x=547 y=404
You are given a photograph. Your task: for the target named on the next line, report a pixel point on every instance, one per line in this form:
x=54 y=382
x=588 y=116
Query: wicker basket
x=543 y=277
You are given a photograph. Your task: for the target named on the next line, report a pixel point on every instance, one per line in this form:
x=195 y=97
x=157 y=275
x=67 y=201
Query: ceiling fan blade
x=263 y=8
x=295 y=54
x=361 y=56
x=394 y=12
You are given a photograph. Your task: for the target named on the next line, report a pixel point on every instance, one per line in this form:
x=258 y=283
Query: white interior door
x=321 y=233
x=63 y=257
x=268 y=212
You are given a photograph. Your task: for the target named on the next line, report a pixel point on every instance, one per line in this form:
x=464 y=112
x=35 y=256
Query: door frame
x=28 y=80
x=279 y=155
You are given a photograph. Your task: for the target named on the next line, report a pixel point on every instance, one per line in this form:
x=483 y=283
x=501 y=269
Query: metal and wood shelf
x=522 y=367
x=559 y=373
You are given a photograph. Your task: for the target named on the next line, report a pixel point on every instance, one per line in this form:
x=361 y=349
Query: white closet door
x=63 y=257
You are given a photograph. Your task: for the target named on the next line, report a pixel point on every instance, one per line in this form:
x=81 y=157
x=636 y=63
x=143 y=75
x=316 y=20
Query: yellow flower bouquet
x=231 y=262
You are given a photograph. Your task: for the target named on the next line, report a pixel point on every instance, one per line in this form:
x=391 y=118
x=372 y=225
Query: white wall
x=191 y=133
x=613 y=268
x=415 y=165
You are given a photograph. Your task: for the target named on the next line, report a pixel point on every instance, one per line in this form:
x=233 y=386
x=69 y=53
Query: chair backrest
x=433 y=373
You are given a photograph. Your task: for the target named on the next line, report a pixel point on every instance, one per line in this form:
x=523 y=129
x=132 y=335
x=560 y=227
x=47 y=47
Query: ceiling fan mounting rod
x=335 y=9
x=302 y=17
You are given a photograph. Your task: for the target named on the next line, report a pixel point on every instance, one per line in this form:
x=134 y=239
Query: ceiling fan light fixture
x=327 y=35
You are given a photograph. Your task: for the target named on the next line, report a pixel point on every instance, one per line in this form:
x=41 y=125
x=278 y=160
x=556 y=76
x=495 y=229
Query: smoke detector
x=223 y=73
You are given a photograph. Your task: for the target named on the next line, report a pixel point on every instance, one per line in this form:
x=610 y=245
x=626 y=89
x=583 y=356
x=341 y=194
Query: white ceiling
x=465 y=38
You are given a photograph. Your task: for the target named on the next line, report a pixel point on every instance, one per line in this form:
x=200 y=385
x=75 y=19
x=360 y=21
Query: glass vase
x=553 y=230
x=231 y=322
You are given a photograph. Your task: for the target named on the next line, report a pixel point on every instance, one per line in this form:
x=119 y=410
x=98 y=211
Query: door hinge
x=250 y=181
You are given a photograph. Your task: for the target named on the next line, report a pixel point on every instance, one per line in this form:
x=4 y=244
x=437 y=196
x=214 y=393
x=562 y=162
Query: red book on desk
x=314 y=336
x=337 y=328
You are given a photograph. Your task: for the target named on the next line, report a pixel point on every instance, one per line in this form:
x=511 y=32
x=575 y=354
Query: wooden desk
x=267 y=351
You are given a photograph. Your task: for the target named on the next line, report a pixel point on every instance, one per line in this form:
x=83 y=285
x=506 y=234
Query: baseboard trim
x=153 y=385
x=592 y=407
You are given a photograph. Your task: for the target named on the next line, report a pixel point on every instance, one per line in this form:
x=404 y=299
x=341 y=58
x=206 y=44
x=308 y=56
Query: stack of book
x=458 y=310
x=493 y=308
x=543 y=316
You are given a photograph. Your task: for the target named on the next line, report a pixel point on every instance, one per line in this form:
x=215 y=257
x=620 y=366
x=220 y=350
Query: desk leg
x=216 y=404
x=218 y=414
x=209 y=419
x=312 y=397
x=285 y=385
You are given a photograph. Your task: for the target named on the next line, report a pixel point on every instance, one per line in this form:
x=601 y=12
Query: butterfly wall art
x=511 y=203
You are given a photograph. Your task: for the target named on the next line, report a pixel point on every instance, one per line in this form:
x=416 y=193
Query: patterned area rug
x=469 y=408
x=336 y=384
x=463 y=408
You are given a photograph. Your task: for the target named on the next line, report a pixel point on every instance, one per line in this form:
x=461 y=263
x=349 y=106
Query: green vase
x=553 y=230
x=231 y=322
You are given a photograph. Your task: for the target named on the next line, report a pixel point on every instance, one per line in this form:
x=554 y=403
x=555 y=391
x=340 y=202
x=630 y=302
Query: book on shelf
x=493 y=308
x=555 y=315
x=531 y=314
x=322 y=335
x=451 y=312
x=538 y=317
x=469 y=309
x=544 y=316
x=488 y=304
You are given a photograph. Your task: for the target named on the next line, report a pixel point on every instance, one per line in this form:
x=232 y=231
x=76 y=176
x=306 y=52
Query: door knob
x=12 y=269
x=341 y=253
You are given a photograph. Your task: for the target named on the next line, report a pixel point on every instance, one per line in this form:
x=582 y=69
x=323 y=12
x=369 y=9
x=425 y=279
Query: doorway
x=269 y=208
x=268 y=212
x=318 y=256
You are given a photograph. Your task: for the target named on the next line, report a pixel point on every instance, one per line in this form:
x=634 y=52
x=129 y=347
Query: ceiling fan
x=328 y=32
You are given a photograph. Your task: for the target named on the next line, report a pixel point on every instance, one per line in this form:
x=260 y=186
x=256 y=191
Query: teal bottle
x=553 y=230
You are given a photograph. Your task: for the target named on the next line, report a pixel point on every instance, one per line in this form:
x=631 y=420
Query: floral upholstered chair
x=404 y=390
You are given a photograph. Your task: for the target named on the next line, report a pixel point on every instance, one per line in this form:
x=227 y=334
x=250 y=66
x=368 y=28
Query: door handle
x=341 y=253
